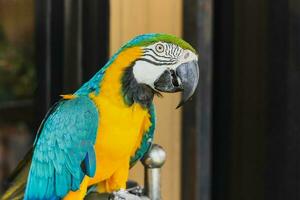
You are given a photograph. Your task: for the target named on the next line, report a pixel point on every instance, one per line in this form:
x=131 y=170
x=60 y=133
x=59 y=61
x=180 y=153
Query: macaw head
x=166 y=64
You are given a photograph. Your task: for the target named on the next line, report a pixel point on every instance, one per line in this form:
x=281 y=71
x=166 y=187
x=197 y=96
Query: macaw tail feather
x=17 y=181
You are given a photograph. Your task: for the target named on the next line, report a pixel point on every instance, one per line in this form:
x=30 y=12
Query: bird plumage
x=92 y=137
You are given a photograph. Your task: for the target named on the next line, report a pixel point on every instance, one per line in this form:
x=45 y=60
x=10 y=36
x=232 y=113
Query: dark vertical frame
x=239 y=120
x=196 y=132
x=277 y=97
x=283 y=127
x=72 y=45
x=247 y=151
x=222 y=96
x=49 y=53
x=95 y=36
x=72 y=39
x=255 y=101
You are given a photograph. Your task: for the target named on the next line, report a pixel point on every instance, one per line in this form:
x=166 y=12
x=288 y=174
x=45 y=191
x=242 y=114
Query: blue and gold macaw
x=93 y=137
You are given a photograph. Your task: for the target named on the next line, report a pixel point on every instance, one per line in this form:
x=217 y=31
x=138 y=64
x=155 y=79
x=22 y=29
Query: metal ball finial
x=155 y=158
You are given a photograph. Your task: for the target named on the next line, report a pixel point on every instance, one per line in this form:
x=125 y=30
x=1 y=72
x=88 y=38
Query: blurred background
x=239 y=137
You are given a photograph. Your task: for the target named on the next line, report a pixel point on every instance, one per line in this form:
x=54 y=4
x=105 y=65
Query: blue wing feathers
x=90 y=163
x=66 y=140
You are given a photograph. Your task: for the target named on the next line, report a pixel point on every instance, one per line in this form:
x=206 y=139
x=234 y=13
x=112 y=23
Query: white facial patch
x=146 y=73
x=187 y=56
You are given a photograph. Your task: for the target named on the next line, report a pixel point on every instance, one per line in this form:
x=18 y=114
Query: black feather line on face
x=159 y=56
x=156 y=63
x=134 y=92
x=157 y=59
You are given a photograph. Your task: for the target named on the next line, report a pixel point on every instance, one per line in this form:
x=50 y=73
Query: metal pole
x=153 y=162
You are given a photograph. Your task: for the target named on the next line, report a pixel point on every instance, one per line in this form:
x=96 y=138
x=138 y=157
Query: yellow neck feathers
x=111 y=85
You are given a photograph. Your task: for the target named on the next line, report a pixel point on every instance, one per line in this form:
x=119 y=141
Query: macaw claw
x=124 y=195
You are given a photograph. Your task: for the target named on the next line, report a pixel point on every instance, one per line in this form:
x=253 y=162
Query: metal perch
x=153 y=162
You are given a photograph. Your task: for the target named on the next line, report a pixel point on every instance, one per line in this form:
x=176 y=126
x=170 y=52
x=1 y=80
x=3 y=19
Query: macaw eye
x=159 y=48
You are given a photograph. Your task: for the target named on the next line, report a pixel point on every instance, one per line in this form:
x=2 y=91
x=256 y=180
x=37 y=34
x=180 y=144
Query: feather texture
x=64 y=147
x=65 y=142
x=147 y=139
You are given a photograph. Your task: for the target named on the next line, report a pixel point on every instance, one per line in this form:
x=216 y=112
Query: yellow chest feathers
x=120 y=128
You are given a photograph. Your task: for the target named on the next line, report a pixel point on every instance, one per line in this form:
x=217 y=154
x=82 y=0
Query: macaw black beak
x=184 y=79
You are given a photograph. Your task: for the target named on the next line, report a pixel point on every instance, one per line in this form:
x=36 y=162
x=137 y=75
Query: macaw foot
x=124 y=195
